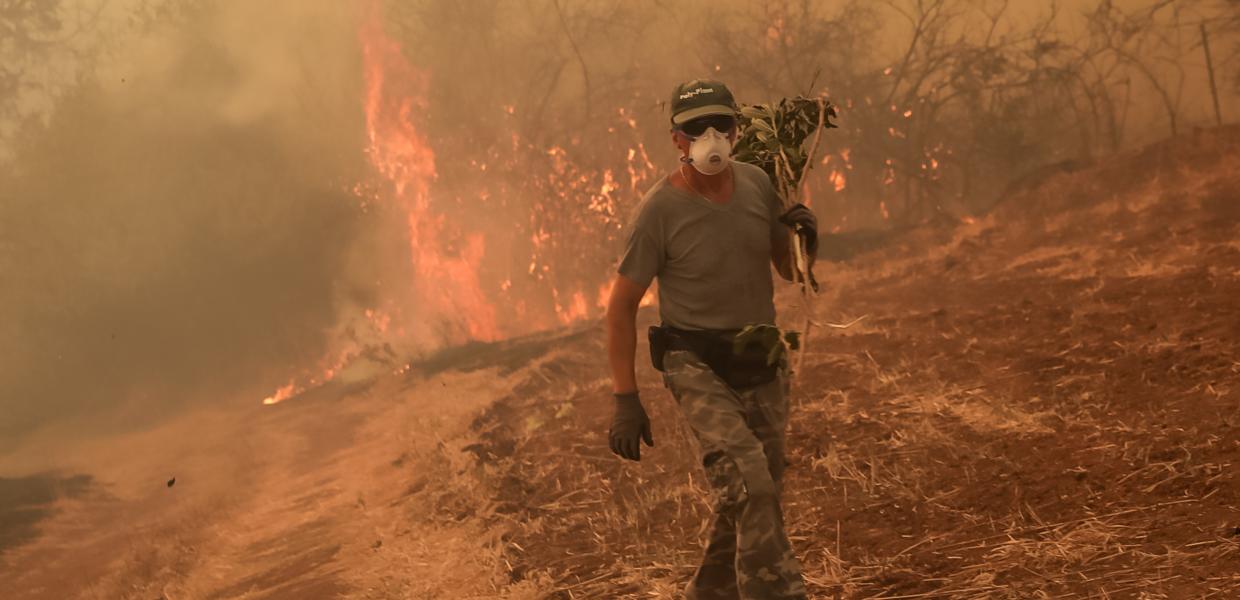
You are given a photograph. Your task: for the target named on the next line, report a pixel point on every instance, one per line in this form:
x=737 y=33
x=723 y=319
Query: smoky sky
x=178 y=216
x=178 y=228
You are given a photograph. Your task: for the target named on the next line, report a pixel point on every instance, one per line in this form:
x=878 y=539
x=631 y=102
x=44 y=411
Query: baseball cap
x=701 y=97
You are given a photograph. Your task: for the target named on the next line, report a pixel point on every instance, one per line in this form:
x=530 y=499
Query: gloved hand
x=629 y=427
x=801 y=219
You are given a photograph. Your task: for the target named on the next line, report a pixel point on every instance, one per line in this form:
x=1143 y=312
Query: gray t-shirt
x=713 y=260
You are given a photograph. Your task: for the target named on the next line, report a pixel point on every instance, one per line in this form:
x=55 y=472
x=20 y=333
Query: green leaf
x=775 y=353
x=786 y=125
x=767 y=337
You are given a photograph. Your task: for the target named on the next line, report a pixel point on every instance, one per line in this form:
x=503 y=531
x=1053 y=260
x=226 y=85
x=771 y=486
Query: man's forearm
x=782 y=257
x=621 y=348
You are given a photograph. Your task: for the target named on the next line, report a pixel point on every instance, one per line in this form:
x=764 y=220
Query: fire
x=282 y=393
x=445 y=287
x=639 y=167
x=604 y=295
x=325 y=374
x=440 y=298
x=652 y=296
x=576 y=311
x=380 y=320
x=838 y=180
x=845 y=155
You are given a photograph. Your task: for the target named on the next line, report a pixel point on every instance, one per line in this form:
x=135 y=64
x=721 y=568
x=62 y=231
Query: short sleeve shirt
x=712 y=261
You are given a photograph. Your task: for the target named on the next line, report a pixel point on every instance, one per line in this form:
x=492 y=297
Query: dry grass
x=1039 y=404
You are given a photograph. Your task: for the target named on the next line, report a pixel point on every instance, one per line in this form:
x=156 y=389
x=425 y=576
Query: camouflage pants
x=741 y=436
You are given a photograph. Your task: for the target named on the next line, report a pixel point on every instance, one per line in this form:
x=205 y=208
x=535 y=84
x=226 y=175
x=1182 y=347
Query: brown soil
x=1044 y=403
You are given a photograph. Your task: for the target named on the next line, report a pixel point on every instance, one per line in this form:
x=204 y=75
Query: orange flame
x=441 y=294
x=445 y=287
x=604 y=295
x=575 y=311
x=293 y=388
x=282 y=393
x=838 y=180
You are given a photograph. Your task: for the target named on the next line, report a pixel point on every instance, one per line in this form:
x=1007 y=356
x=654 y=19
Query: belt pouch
x=659 y=339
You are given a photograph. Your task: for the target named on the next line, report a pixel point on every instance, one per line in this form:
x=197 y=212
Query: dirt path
x=311 y=498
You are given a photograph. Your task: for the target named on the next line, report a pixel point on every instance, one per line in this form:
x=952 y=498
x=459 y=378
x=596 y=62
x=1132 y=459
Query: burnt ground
x=25 y=501
x=1042 y=403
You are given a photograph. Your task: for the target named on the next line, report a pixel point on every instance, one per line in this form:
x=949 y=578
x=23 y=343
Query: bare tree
x=543 y=99
x=37 y=33
x=28 y=28
x=1137 y=44
x=1227 y=24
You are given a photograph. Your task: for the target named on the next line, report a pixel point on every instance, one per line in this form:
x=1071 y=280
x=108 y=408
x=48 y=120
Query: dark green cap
x=701 y=97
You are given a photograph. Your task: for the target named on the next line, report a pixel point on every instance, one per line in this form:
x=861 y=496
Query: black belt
x=744 y=369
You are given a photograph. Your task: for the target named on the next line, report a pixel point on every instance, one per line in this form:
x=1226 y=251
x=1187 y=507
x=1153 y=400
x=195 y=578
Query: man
x=709 y=232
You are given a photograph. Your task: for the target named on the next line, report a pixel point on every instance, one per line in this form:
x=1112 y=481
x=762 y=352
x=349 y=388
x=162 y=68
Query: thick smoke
x=197 y=219
x=181 y=226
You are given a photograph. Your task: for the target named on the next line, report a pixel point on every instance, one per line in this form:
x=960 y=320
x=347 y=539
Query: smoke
x=181 y=226
x=199 y=205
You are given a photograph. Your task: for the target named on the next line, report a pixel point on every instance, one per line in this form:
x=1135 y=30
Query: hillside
x=1044 y=402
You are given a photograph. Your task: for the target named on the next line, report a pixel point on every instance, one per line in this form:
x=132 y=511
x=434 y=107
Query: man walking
x=710 y=232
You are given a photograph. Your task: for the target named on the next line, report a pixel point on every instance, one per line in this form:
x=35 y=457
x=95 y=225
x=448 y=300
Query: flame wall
x=249 y=195
x=241 y=196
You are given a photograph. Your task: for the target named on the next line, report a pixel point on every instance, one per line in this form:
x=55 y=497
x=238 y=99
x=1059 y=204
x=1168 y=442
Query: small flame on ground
x=282 y=393
x=838 y=180
x=326 y=374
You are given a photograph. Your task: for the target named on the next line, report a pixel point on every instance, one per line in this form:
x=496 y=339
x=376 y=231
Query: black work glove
x=629 y=427
x=802 y=220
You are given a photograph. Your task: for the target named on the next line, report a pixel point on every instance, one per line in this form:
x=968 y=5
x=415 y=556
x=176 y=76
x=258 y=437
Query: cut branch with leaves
x=773 y=137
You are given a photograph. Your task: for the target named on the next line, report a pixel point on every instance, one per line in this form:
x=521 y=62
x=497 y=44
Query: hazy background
x=176 y=217
x=190 y=209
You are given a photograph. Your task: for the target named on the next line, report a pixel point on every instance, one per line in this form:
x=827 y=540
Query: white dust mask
x=710 y=152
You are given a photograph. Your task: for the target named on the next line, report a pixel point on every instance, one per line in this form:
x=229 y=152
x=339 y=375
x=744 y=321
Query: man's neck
x=706 y=183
